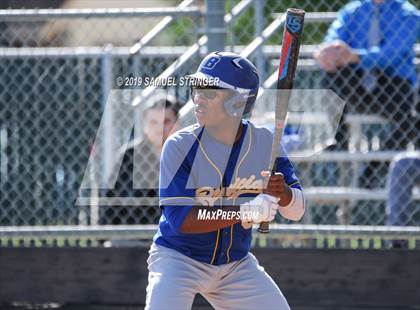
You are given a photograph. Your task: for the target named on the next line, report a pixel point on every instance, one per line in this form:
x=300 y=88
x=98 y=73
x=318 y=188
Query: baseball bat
x=287 y=68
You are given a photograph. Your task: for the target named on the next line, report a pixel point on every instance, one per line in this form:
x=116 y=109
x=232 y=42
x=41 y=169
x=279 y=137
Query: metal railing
x=43 y=14
x=281 y=235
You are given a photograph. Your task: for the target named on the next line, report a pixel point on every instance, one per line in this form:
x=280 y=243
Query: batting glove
x=262 y=208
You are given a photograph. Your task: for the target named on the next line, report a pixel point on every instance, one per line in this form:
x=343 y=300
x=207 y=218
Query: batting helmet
x=231 y=71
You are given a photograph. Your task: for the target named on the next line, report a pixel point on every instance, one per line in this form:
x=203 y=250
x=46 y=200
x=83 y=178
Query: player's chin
x=200 y=122
x=201 y=119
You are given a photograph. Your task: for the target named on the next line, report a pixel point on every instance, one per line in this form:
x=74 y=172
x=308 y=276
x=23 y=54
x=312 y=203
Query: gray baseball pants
x=175 y=279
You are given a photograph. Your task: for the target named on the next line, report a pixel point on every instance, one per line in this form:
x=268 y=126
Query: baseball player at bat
x=212 y=179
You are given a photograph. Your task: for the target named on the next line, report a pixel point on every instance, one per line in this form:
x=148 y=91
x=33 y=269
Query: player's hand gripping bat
x=288 y=61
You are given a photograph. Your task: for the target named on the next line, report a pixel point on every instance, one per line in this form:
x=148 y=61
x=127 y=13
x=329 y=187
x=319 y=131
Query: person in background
x=368 y=58
x=139 y=172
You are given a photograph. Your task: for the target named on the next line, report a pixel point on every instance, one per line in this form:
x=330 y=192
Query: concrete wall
x=308 y=278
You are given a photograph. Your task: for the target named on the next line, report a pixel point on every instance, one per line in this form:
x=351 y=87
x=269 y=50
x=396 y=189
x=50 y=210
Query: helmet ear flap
x=250 y=101
x=235 y=106
x=241 y=104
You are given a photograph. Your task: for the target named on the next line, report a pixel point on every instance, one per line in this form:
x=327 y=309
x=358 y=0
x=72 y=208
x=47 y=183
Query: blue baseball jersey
x=196 y=169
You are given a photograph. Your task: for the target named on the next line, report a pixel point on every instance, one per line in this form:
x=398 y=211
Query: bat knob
x=264 y=228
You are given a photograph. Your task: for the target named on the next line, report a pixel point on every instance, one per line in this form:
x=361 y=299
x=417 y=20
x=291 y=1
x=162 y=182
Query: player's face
x=209 y=106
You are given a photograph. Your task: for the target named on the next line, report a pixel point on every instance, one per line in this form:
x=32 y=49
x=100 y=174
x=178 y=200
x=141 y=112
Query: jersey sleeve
x=175 y=197
x=285 y=166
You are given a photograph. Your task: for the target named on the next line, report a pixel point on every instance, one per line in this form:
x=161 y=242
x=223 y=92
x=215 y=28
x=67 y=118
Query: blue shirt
x=198 y=170
x=400 y=26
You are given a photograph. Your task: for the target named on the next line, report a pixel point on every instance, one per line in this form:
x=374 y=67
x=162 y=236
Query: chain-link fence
x=58 y=69
x=349 y=184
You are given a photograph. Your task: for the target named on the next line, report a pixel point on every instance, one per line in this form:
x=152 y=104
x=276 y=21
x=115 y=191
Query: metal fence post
x=3 y=155
x=215 y=25
x=259 y=28
x=107 y=139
